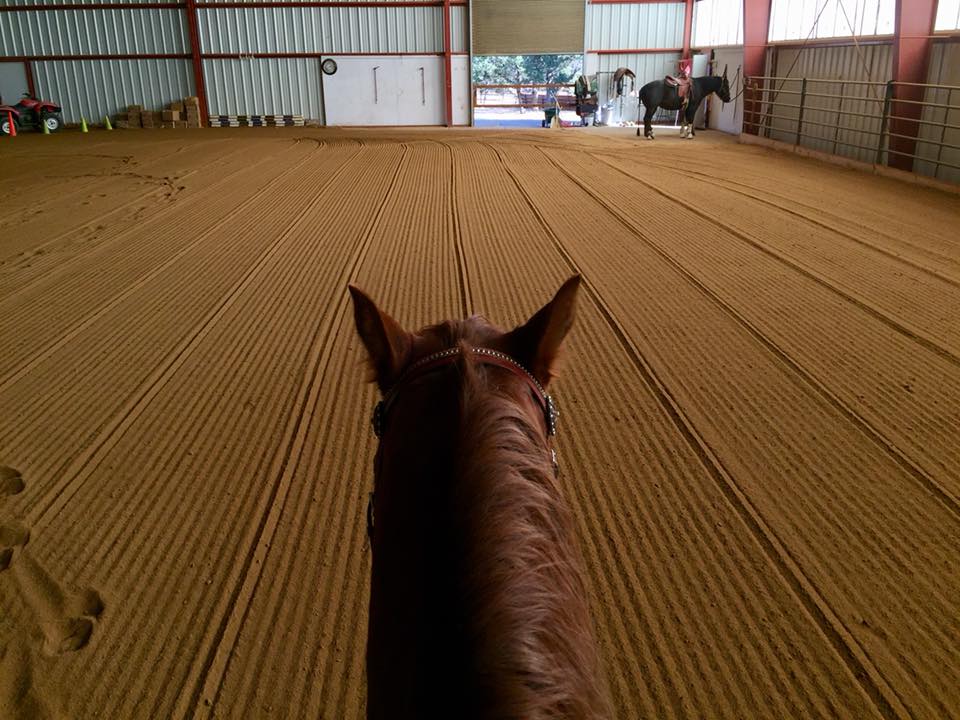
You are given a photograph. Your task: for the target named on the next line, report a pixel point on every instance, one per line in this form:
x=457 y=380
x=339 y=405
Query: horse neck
x=522 y=590
x=508 y=603
x=708 y=84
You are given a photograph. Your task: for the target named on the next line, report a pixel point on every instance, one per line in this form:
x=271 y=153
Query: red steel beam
x=141 y=56
x=256 y=4
x=911 y=60
x=28 y=71
x=756 y=28
x=261 y=56
x=195 y=54
x=632 y=2
x=94 y=6
x=637 y=51
x=687 y=28
x=832 y=42
x=326 y=3
x=447 y=64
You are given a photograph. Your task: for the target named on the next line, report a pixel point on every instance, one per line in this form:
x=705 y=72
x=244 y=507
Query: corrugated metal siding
x=271 y=86
x=794 y=19
x=634 y=26
x=944 y=70
x=823 y=128
x=94 y=88
x=93 y=32
x=459 y=29
x=647 y=66
x=716 y=23
x=321 y=30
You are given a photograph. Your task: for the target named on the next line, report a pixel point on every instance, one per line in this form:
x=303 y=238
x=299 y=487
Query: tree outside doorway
x=520 y=70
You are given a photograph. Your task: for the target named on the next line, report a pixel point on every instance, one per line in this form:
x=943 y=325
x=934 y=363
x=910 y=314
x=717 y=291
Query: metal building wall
x=328 y=30
x=631 y=26
x=459 y=29
x=94 y=88
x=93 y=32
x=944 y=70
x=852 y=136
x=271 y=86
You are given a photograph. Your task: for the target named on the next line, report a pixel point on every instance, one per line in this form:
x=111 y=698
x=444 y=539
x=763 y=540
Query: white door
x=405 y=90
x=728 y=117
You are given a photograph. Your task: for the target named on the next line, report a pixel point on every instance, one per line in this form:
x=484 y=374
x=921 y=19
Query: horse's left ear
x=536 y=344
x=724 y=70
x=387 y=343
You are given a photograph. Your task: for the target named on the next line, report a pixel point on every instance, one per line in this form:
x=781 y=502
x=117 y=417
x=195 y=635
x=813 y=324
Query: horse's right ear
x=536 y=344
x=387 y=343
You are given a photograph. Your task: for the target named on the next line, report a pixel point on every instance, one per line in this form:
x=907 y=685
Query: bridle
x=437 y=360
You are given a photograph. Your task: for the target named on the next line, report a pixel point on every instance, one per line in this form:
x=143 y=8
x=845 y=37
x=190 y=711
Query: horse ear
x=724 y=70
x=387 y=343
x=536 y=344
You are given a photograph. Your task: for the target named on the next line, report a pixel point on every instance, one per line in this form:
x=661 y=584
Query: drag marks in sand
x=758 y=433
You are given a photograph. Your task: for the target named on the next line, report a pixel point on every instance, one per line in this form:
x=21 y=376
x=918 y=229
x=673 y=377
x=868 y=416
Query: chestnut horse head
x=477 y=599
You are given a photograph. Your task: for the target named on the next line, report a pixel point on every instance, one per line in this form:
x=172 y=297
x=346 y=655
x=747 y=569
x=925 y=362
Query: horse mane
x=525 y=610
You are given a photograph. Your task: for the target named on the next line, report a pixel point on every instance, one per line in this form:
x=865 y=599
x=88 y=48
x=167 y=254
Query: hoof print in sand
x=66 y=635
x=11 y=481
x=12 y=536
x=67 y=619
x=73 y=632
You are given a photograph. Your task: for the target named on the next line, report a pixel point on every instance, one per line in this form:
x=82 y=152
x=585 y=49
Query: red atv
x=30 y=112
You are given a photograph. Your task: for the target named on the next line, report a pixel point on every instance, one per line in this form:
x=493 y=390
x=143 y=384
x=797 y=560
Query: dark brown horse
x=477 y=600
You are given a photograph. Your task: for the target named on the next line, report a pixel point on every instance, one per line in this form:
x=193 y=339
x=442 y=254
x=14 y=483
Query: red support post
x=756 y=27
x=193 y=25
x=447 y=64
x=687 y=28
x=913 y=27
x=28 y=71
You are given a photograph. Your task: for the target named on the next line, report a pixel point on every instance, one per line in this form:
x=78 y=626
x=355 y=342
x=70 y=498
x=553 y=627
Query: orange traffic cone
x=12 y=126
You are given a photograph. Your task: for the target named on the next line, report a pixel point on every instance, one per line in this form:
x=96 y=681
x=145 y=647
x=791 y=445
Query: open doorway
x=524 y=90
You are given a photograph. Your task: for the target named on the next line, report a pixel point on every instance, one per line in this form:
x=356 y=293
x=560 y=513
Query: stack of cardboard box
x=181 y=114
x=192 y=108
x=129 y=119
x=150 y=119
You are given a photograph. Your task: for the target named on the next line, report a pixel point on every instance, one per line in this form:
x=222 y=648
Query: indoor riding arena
x=759 y=430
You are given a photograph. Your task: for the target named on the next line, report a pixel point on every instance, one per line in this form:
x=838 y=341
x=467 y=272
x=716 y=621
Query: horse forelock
x=525 y=608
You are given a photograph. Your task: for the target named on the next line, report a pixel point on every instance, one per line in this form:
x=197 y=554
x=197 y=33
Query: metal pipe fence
x=528 y=95
x=861 y=108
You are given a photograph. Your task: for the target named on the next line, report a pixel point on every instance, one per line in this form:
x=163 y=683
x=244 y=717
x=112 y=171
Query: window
x=948 y=15
x=800 y=19
x=717 y=23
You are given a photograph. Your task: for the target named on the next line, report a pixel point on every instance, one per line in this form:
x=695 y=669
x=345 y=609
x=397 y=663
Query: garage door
x=527 y=27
